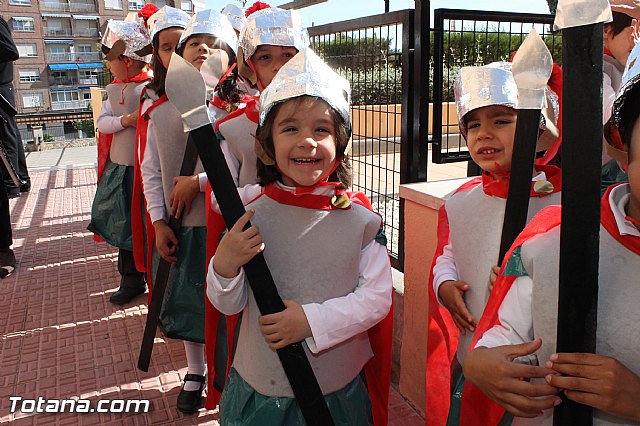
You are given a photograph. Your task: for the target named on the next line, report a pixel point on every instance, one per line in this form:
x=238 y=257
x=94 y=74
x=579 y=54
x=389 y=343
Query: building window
x=113 y=4
x=22 y=24
x=20 y=2
x=64 y=96
x=32 y=100
x=58 y=53
x=27 y=50
x=29 y=76
x=136 y=5
x=186 y=5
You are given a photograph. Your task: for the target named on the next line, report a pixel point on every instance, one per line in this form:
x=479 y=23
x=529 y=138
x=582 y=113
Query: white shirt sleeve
x=608 y=96
x=228 y=295
x=202 y=181
x=336 y=320
x=515 y=320
x=152 y=178
x=444 y=269
x=107 y=123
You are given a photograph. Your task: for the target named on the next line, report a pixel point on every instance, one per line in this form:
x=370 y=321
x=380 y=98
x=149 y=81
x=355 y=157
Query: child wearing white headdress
x=325 y=249
x=127 y=48
x=167 y=193
x=470 y=226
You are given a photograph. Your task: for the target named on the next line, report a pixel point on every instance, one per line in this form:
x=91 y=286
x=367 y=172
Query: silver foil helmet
x=493 y=84
x=235 y=14
x=212 y=23
x=630 y=78
x=167 y=17
x=274 y=26
x=126 y=38
x=307 y=74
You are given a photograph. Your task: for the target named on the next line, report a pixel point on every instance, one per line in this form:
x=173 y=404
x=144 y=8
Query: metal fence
x=375 y=54
x=472 y=38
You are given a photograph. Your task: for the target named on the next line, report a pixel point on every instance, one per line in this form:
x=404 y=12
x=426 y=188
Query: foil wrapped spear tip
x=532 y=66
x=576 y=13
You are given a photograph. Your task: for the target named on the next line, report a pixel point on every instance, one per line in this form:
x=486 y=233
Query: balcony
x=57 y=32
x=63 y=81
x=83 y=7
x=80 y=104
x=85 y=32
x=74 y=57
x=57 y=6
x=89 y=81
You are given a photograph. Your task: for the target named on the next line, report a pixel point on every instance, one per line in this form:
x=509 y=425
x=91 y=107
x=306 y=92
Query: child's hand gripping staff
x=532 y=66
x=186 y=89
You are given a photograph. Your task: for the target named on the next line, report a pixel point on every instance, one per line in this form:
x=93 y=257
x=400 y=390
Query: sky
x=341 y=10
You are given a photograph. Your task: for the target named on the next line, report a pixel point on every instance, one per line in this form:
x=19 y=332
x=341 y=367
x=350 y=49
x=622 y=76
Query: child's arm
x=108 y=124
x=166 y=241
x=326 y=324
x=599 y=381
x=225 y=277
x=450 y=291
x=491 y=366
x=185 y=189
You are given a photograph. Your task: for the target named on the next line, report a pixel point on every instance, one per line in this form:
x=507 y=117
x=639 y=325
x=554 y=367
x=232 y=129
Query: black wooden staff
x=293 y=358
x=579 y=235
x=162 y=273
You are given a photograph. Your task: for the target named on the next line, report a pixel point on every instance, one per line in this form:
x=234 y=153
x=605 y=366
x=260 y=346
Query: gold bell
x=340 y=201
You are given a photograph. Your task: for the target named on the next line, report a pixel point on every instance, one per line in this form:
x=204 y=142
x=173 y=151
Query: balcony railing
x=64 y=32
x=63 y=81
x=74 y=57
x=88 y=80
x=80 y=104
x=83 y=7
x=68 y=7
x=85 y=32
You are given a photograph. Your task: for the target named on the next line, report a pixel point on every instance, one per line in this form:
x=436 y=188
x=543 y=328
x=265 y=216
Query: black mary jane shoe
x=191 y=401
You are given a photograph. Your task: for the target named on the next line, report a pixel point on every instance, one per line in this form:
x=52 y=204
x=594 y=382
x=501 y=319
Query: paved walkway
x=60 y=337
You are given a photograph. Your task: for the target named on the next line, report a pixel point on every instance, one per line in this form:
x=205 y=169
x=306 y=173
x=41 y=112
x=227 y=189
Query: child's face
x=268 y=60
x=167 y=42
x=199 y=47
x=490 y=133
x=119 y=67
x=619 y=45
x=304 y=142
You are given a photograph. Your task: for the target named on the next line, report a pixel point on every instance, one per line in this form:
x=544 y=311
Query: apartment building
x=59 y=45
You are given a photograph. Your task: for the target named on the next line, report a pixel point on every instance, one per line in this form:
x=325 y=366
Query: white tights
x=195 y=362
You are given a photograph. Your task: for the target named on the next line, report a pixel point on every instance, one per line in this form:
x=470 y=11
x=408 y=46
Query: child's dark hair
x=264 y=135
x=629 y=114
x=619 y=23
x=159 y=71
x=227 y=90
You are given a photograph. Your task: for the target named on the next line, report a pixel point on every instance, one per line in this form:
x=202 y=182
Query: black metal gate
x=376 y=55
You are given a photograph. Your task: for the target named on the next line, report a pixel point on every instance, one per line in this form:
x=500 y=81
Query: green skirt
x=182 y=313
x=610 y=175
x=111 y=209
x=240 y=405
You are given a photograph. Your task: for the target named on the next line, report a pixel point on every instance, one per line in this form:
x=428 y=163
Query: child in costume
x=521 y=317
x=325 y=249
x=619 y=38
x=470 y=226
x=183 y=311
x=127 y=51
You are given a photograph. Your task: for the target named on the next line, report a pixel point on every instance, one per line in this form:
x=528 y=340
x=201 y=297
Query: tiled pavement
x=62 y=339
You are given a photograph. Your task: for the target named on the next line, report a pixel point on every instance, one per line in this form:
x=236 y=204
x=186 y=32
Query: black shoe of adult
x=26 y=186
x=190 y=402
x=7 y=262
x=127 y=291
x=13 y=192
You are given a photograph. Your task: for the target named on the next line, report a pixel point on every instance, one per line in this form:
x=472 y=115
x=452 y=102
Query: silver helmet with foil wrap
x=273 y=26
x=126 y=38
x=167 y=17
x=235 y=14
x=307 y=74
x=212 y=23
